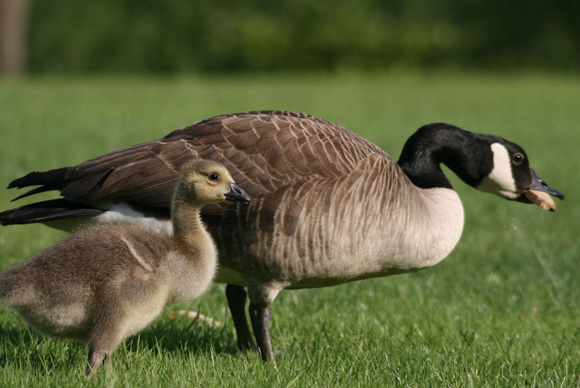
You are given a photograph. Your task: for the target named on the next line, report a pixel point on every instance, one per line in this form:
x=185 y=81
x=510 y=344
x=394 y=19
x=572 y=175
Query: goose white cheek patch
x=500 y=180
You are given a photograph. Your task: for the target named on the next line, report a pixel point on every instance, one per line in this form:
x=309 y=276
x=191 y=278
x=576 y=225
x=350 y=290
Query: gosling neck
x=185 y=216
x=467 y=154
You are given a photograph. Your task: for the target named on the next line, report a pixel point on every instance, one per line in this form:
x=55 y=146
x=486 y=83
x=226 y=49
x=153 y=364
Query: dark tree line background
x=167 y=36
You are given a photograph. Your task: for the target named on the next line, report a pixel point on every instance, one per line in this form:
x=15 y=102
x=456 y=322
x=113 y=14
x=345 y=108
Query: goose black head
x=486 y=162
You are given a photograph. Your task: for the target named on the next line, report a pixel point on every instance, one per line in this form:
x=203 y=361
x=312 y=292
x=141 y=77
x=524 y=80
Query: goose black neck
x=465 y=153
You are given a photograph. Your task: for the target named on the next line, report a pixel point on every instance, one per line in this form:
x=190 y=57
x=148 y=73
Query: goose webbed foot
x=236 y=296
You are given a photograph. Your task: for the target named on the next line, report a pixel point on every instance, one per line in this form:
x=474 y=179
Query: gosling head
x=205 y=181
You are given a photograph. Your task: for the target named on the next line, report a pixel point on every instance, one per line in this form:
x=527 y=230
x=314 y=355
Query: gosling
x=106 y=283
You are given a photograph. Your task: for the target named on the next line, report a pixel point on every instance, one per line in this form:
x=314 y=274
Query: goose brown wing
x=263 y=151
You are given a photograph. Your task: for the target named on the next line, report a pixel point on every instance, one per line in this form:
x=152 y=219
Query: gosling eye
x=214 y=177
x=518 y=159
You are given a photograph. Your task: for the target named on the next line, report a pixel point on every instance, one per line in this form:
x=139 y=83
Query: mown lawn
x=502 y=310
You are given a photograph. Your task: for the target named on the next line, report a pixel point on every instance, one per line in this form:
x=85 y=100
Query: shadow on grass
x=25 y=348
x=21 y=346
x=175 y=336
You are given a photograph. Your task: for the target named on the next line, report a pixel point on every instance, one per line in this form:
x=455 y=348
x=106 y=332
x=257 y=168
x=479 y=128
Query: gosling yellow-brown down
x=106 y=283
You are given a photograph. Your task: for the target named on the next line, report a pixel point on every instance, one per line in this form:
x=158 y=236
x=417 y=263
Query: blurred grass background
x=501 y=310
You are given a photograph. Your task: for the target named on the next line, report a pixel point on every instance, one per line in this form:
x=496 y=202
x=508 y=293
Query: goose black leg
x=236 y=296
x=260 y=317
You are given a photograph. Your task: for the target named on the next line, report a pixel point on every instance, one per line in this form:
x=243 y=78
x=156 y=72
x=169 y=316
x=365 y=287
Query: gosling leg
x=95 y=361
x=105 y=337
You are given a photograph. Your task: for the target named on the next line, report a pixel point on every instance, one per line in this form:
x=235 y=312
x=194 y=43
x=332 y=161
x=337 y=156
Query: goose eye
x=518 y=159
x=214 y=177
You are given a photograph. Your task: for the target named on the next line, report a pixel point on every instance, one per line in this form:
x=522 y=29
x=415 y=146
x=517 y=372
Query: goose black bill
x=538 y=184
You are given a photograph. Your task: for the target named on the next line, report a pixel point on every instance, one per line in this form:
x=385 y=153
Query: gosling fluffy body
x=106 y=283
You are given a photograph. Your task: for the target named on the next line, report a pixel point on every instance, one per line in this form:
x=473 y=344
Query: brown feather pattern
x=264 y=150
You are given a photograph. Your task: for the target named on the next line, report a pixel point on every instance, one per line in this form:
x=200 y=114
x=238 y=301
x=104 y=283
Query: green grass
x=502 y=310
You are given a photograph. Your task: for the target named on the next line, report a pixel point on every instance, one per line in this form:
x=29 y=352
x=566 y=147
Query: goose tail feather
x=46 y=211
x=47 y=180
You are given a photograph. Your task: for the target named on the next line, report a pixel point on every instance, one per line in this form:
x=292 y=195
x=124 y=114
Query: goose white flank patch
x=329 y=206
x=108 y=282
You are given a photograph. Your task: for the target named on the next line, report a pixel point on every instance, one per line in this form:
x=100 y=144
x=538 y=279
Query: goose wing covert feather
x=264 y=151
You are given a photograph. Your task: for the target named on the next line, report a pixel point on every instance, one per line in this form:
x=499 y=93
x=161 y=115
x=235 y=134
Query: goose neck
x=435 y=144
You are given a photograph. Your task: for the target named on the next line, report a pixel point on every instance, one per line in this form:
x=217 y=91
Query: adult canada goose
x=330 y=207
x=108 y=282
